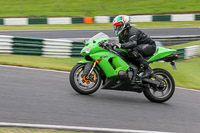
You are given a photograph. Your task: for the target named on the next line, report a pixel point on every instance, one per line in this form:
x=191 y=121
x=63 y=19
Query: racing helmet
x=120 y=23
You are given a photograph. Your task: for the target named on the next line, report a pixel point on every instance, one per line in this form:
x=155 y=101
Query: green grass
x=187 y=74
x=63 y=64
x=46 y=8
x=99 y=26
x=33 y=130
x=188 y=71
x=184 y=45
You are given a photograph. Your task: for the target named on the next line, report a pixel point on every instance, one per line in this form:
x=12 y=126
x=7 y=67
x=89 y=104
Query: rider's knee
x=135 y=54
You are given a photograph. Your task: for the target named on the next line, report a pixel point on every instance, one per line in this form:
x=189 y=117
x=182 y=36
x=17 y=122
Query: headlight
x=87 y=50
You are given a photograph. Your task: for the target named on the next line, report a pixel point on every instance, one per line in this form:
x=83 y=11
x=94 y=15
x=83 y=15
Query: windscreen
x=100 y=35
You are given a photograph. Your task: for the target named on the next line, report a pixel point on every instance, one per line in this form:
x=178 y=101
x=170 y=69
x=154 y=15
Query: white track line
x=77 y=128
x=69 y=72
x=188 y=89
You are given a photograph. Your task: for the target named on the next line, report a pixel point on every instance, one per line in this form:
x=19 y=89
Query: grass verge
x=186 y=76
x=184 y=45
x=33 y=130
x=187 y=73
x=63 y=64
x=99 y=26
x=46 y=8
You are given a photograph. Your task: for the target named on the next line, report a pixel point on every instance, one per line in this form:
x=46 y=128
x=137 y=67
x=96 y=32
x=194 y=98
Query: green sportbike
x=112 y=69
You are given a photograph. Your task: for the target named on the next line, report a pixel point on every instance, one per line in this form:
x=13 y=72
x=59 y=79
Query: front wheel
x=81 y=84
x=161 y=94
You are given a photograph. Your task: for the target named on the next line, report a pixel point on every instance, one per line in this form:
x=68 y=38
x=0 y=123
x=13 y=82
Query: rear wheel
x=81 y=84
x=164 y=93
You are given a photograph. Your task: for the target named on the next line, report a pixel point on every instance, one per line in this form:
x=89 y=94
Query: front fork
x=86 y=76
x=89 y=67
x=94 y=65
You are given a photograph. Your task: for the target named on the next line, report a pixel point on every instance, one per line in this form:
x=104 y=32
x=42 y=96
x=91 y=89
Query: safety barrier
x=191 y=51
x=168 y=40
x=98 y=19
x=40 y=47
x=181 y=54
x=62 y=48
x=173 y=40
x=188 y=52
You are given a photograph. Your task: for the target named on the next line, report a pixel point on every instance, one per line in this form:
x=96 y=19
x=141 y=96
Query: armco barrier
x=169 y=40
x=41 y=47
x=61 y=48
x=191 y=51
x=173 y=40
x=180 y=52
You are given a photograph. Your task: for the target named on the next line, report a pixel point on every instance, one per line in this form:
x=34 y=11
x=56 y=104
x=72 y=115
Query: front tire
x=79 y=85
x=161 y=94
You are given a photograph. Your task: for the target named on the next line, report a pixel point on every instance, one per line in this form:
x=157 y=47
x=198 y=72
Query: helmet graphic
x=120 y=23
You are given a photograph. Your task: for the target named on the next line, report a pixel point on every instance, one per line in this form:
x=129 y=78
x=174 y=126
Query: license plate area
x=173 y=65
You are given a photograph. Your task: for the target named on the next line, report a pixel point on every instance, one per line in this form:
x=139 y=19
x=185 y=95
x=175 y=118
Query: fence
x=61 y=48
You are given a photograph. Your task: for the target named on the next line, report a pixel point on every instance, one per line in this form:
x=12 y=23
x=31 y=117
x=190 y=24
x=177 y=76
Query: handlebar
x=105 y=45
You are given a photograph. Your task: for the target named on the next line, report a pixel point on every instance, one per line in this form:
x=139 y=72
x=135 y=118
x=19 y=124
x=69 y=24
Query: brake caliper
x=84 y=80
x=93 y=78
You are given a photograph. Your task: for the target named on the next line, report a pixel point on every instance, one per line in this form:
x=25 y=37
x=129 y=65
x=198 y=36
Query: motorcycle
x=111 y=68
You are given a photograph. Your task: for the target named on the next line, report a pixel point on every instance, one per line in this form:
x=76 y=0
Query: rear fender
x=160 y=53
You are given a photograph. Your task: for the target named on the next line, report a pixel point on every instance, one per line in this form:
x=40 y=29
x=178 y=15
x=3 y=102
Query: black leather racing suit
x=139 y=45
x=135 y=39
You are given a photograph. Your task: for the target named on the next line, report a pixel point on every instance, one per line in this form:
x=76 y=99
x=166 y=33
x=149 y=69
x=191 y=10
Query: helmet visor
x=117 y=29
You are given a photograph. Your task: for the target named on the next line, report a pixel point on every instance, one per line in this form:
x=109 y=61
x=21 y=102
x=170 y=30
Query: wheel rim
x=162 y=92
x=85 y=86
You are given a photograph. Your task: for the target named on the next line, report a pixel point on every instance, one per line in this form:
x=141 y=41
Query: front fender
x=88 y=64
x=84 y=61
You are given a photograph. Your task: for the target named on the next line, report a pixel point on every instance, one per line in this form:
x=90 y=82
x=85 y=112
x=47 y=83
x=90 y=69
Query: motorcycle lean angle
x=111 y=68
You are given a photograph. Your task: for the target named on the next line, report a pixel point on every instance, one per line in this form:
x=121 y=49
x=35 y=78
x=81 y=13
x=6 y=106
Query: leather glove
x=109 y=45
x=113 y=46
x=118 y=45
x=102 y=44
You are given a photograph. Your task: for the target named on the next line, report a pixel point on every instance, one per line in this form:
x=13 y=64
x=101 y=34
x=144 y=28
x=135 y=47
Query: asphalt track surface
x=89 y=33
x=46 y=97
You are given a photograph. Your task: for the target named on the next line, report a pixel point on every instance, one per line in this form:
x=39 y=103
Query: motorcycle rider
x=139 y=44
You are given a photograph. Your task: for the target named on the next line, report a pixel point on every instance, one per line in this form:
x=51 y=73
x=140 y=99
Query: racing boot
x=147 y=69
x=135 y=78
x=143 y=64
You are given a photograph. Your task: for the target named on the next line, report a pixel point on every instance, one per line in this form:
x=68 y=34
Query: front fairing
x=124 y=50
x=110 y=63
x=91 y=46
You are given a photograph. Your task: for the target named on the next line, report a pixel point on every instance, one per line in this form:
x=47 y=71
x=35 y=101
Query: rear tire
x=78 y=85
x=152 y=92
